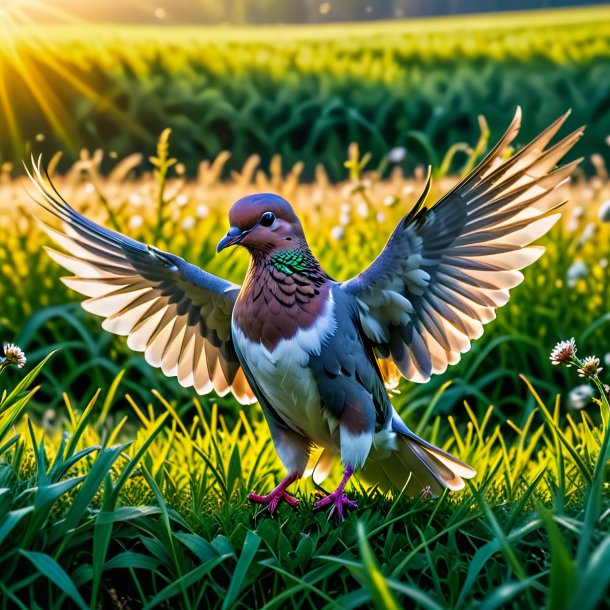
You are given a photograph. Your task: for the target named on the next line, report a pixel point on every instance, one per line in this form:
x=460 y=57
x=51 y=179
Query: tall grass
x=564 y=294
x=87 y=520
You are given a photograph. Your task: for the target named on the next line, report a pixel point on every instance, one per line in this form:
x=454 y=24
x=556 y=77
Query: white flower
x=89 y=188
x=136 y=200
x=188 y=223
x=396 y=155
x=344 y=218
x=580 y=396
x=390 y=200
x=363 y=210
x=48 y=419
x=604 y=211
x=202 y=211
x=577 y=271
x=578 y=211
x=380 y=217
x=337 y=233
x=135 y=222
x=589 y=367
x=587 y=193
x=181 y=200
x=572 y=225
x=563 y=352
x=14 y=355
x=588 y=233
x=607 y=359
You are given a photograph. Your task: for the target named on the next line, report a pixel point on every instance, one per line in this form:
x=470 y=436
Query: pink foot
x=273 y=499
x=337 y=500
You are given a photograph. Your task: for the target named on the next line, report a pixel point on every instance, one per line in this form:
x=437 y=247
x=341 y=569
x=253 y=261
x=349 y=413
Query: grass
x=121 y=498
x=87 y=521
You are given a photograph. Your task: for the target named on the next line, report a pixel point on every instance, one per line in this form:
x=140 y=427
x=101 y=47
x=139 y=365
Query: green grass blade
x=48 y=567
x=238 y=581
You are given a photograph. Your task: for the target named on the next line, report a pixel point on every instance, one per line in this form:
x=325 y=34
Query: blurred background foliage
x=566 y=293
x=304 y=93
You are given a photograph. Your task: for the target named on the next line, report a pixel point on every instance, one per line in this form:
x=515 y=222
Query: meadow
x=120 y=489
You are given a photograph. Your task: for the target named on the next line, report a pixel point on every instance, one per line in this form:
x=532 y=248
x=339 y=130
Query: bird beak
x=234 y=236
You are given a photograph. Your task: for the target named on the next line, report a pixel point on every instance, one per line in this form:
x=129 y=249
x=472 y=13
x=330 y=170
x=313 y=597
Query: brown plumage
x=273 y=303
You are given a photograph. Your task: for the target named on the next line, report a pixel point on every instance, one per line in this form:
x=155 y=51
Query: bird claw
x=337 y=500
x=272 y=500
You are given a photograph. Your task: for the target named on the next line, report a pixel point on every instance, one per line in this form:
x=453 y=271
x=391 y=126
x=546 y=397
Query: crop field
x=121 y=489
x=302 y=92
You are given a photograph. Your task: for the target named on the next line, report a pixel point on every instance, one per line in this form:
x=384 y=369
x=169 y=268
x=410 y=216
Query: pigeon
x=315 y=353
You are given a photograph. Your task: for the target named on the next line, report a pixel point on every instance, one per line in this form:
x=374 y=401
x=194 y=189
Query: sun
x=31 y=70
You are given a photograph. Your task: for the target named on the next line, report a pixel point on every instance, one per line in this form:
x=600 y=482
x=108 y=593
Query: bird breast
x=285 y=378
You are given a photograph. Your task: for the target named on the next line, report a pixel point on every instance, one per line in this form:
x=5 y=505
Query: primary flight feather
x=312 y=350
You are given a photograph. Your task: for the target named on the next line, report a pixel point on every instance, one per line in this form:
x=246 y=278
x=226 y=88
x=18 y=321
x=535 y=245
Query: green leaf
x=246 y=558
x=506 y=592
x=10 y=520
x=594 y=581
x=126 y=513
x=380 y=591
x=131 y=560
x=563 y=567
x=48 y=567
x=101 y=467
x=486 y=552
x=184 y=582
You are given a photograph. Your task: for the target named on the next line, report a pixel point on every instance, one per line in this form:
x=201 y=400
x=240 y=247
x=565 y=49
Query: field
x=304 y=93
x=121 y=489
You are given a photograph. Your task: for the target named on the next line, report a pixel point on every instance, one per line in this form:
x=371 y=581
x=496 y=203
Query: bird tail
x=415 y=464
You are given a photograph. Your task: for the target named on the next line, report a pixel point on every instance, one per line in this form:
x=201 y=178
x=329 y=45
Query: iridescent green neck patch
x=292 y=261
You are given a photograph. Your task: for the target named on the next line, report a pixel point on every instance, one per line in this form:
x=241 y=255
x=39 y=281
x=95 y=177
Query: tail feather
x=416 y=464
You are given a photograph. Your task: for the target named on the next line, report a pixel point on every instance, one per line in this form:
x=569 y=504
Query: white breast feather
x=286 y=380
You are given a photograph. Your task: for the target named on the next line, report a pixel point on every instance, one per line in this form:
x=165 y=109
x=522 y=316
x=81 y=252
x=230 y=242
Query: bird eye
x=267 y=219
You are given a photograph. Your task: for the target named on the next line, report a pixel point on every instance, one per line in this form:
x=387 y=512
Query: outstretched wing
x=177 y=314
x=446 y=269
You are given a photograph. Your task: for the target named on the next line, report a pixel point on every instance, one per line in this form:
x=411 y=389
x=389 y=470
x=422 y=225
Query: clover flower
x=396 y=155
x=564 y=352
x=580 y=397
x=12 y=355
x=589 y=367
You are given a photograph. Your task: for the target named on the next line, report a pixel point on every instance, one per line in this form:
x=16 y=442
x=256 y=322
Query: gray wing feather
x=446 y=269
x=174 y=312
x=346 y=370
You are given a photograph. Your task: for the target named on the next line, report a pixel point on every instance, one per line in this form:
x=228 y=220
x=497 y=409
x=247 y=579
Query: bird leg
x=337 y=499
x=273 y=499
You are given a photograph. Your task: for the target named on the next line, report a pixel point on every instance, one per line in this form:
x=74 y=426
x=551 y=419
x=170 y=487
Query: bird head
x=263 y=223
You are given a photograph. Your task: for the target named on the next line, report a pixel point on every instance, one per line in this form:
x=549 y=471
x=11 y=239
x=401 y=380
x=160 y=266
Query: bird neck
x=297 y=260
x=284 y=291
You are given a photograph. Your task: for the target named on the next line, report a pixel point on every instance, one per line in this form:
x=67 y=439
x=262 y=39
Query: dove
x=314 y=352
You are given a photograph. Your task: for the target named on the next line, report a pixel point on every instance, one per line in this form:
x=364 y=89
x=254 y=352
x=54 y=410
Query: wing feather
x=174 y=312
x=447 y=268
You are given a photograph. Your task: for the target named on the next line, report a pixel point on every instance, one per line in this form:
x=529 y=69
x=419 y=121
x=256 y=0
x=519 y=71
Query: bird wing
x=174 y=312
x=445 y=269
